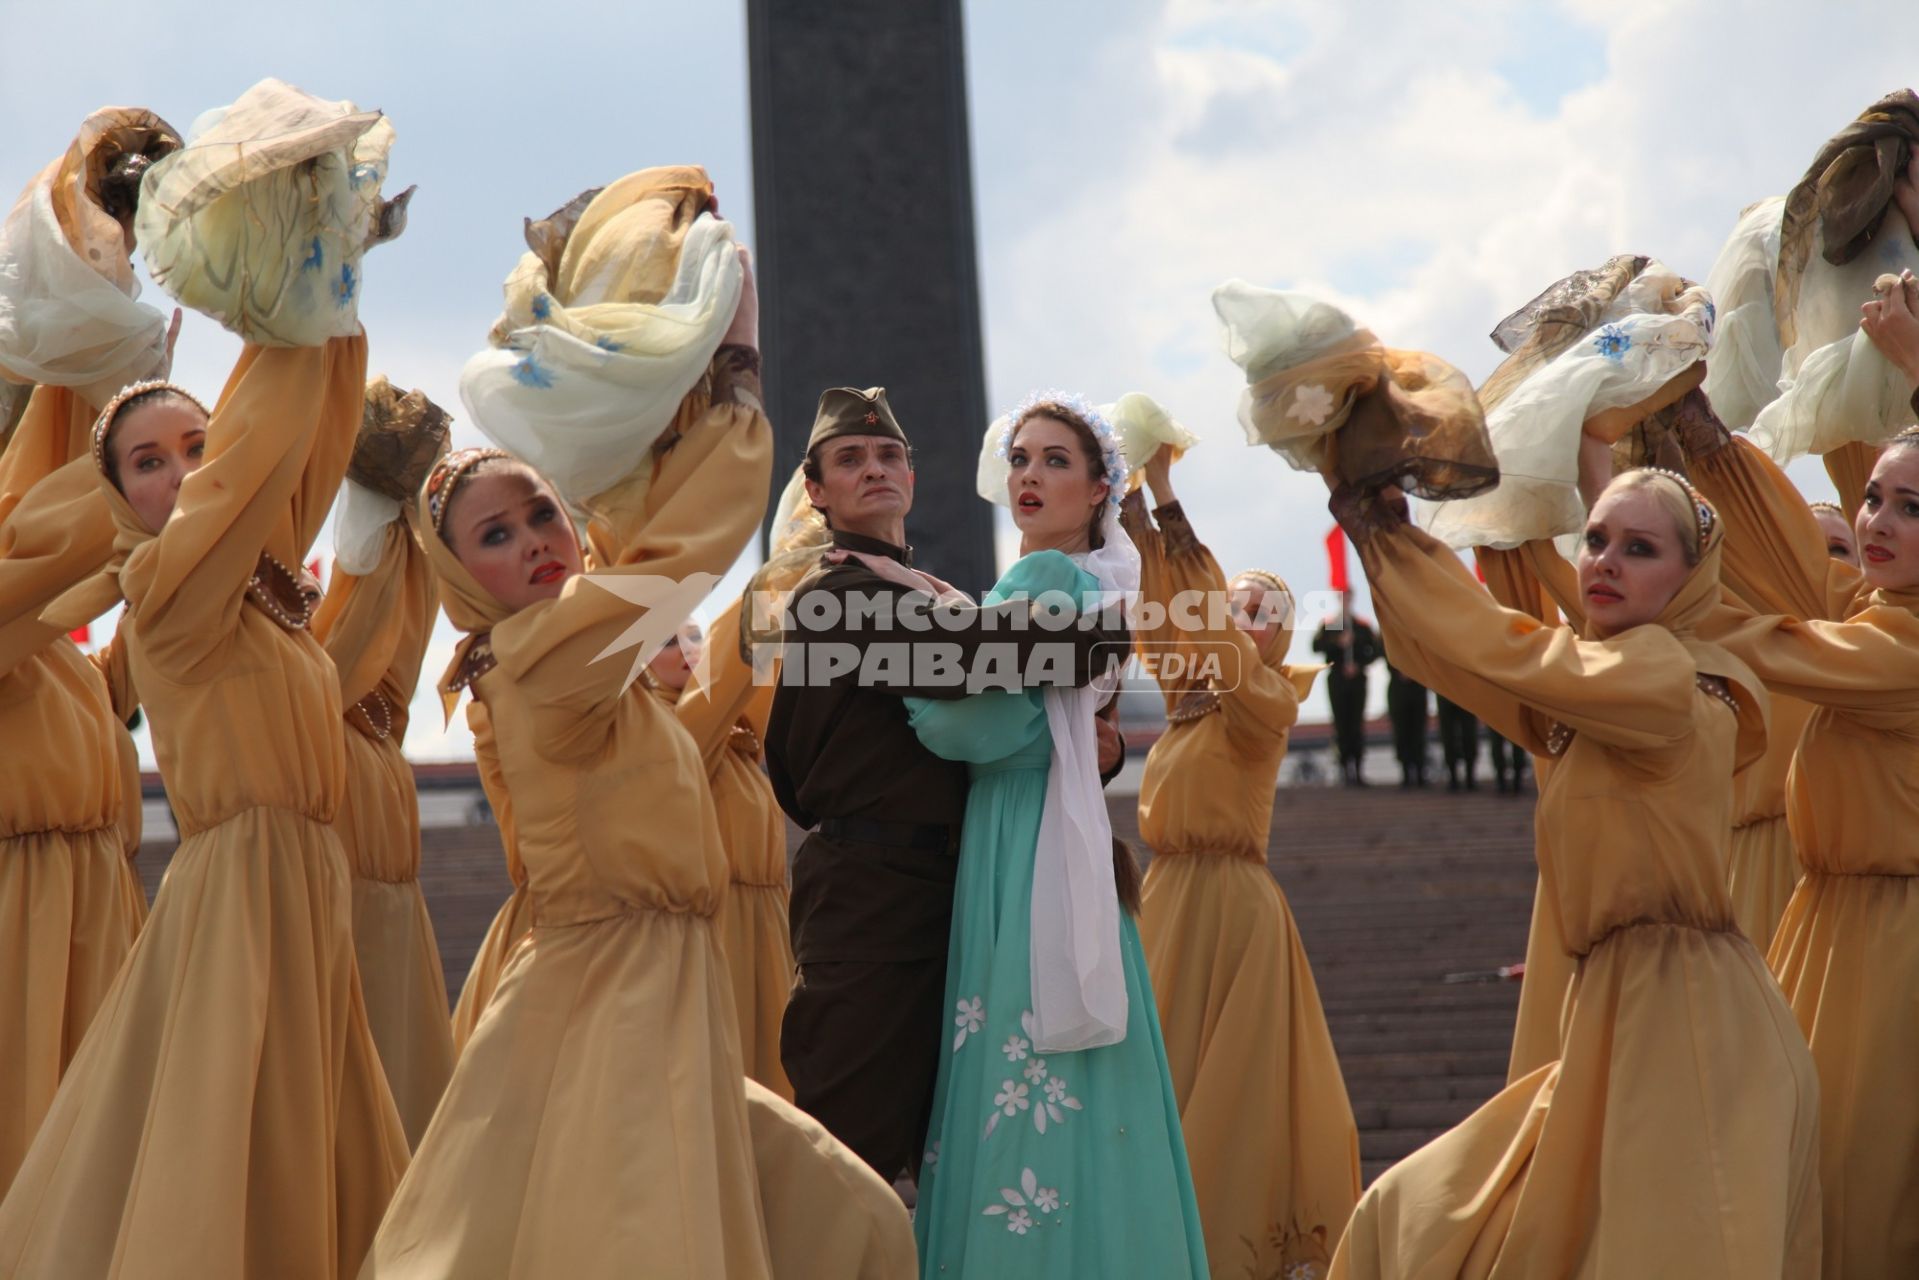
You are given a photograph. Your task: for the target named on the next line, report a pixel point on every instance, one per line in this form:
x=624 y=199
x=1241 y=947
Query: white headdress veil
x=1078 y=973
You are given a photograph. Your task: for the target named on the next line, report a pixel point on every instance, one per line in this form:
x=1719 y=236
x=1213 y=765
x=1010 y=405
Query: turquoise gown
x=1067 y=1164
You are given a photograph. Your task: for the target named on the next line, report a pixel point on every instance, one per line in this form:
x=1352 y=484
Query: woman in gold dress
x=1269 y=1129
x=1846 y=952
x=70 y=900
x=726 y=713
x=1676 y=1133
x=515 y=916
x=375 y=625
x=597 y=1122
x=227 y=1115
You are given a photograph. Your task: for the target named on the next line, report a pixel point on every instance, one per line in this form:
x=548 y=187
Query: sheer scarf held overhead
x=70 y=313
x=1077 y=968
x=470 y=607
x=611 y=318
x=1328 y=396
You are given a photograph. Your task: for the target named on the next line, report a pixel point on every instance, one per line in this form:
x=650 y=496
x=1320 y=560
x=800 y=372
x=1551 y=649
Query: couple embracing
x=972 y=1000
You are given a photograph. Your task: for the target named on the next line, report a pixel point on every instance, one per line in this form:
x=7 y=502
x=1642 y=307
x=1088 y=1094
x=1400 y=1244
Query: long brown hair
x=1126 y=875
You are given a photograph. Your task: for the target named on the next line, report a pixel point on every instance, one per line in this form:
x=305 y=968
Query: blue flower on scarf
x=531 y=373
x=542 y=306
x=1613 y=342
x=313 y=258
x=607 y=344
x=345 y=287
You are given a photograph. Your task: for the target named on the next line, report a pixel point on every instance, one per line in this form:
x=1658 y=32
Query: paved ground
x=1393 y=891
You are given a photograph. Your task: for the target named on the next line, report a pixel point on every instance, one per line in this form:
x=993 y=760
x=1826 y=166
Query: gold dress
x=70 y=900
x=1514 y=578
x=375 y=629
x=1846 y=951
x=1765 y=863
x=727 y=718
x=515 y=916
x=226 y=1116
x=1269 y=1129
x=597 y=1123
x=1676 y=1134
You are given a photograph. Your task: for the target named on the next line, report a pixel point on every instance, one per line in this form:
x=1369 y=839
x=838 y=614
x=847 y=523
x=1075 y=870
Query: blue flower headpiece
x=1112 y=456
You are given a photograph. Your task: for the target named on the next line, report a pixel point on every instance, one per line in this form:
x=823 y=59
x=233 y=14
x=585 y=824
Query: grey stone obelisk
x=863 y=213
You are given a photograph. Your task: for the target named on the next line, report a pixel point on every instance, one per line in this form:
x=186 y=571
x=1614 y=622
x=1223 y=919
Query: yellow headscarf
x=469 y=606
x=100 y=591
x=1697 y=599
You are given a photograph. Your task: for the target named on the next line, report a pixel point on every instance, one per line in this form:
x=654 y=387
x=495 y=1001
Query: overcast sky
x=1427 y=166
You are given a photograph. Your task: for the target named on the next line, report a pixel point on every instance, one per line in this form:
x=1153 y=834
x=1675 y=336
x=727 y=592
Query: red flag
x=1336 y=559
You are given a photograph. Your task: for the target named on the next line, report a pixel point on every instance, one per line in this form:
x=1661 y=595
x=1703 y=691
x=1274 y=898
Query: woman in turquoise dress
x=1054 y=1147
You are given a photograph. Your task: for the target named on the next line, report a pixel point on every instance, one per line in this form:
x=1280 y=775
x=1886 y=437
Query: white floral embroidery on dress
x=1016 y=1201
x=1015 y=1048
x=932 y=1157
x=1055 y=1104
x=1011 y=1099
x=1312 y=404
x=971 y=1017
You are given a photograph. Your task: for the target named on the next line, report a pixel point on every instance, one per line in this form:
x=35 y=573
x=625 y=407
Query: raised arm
x=54 y=535
x=681 y=522
x=1849 y=467
x=1255 y=699
x=1775 y=552
x=110 y=660
x=708 y=710
x=1517 y=674
x=1867 y=665
x=279 y=436
x=375 y=627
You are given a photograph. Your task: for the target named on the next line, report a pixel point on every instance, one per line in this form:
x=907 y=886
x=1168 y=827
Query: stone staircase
x=1393 y=890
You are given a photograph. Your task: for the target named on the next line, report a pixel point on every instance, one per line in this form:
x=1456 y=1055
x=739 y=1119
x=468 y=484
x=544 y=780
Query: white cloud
x=1406 y=160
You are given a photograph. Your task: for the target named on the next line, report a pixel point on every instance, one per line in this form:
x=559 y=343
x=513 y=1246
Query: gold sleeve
x=709 y=711
x=1189 y=593
x=1511 y=670
x=110 y=660
x=1775 y=556
x=375 y=626
x=1849 y=467
x=54 y=535
x=276 y=452
x=1867 y=665
x=694 y=515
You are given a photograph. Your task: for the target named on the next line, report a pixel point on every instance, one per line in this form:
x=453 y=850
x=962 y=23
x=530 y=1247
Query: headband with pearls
x=133 y=391
x=1702 y=510
x=447 y=476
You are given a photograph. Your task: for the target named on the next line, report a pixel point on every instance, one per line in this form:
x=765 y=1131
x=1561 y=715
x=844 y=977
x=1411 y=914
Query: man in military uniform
x=872 y=897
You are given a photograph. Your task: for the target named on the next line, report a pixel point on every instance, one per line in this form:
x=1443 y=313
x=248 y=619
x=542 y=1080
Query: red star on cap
x=872 y=418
